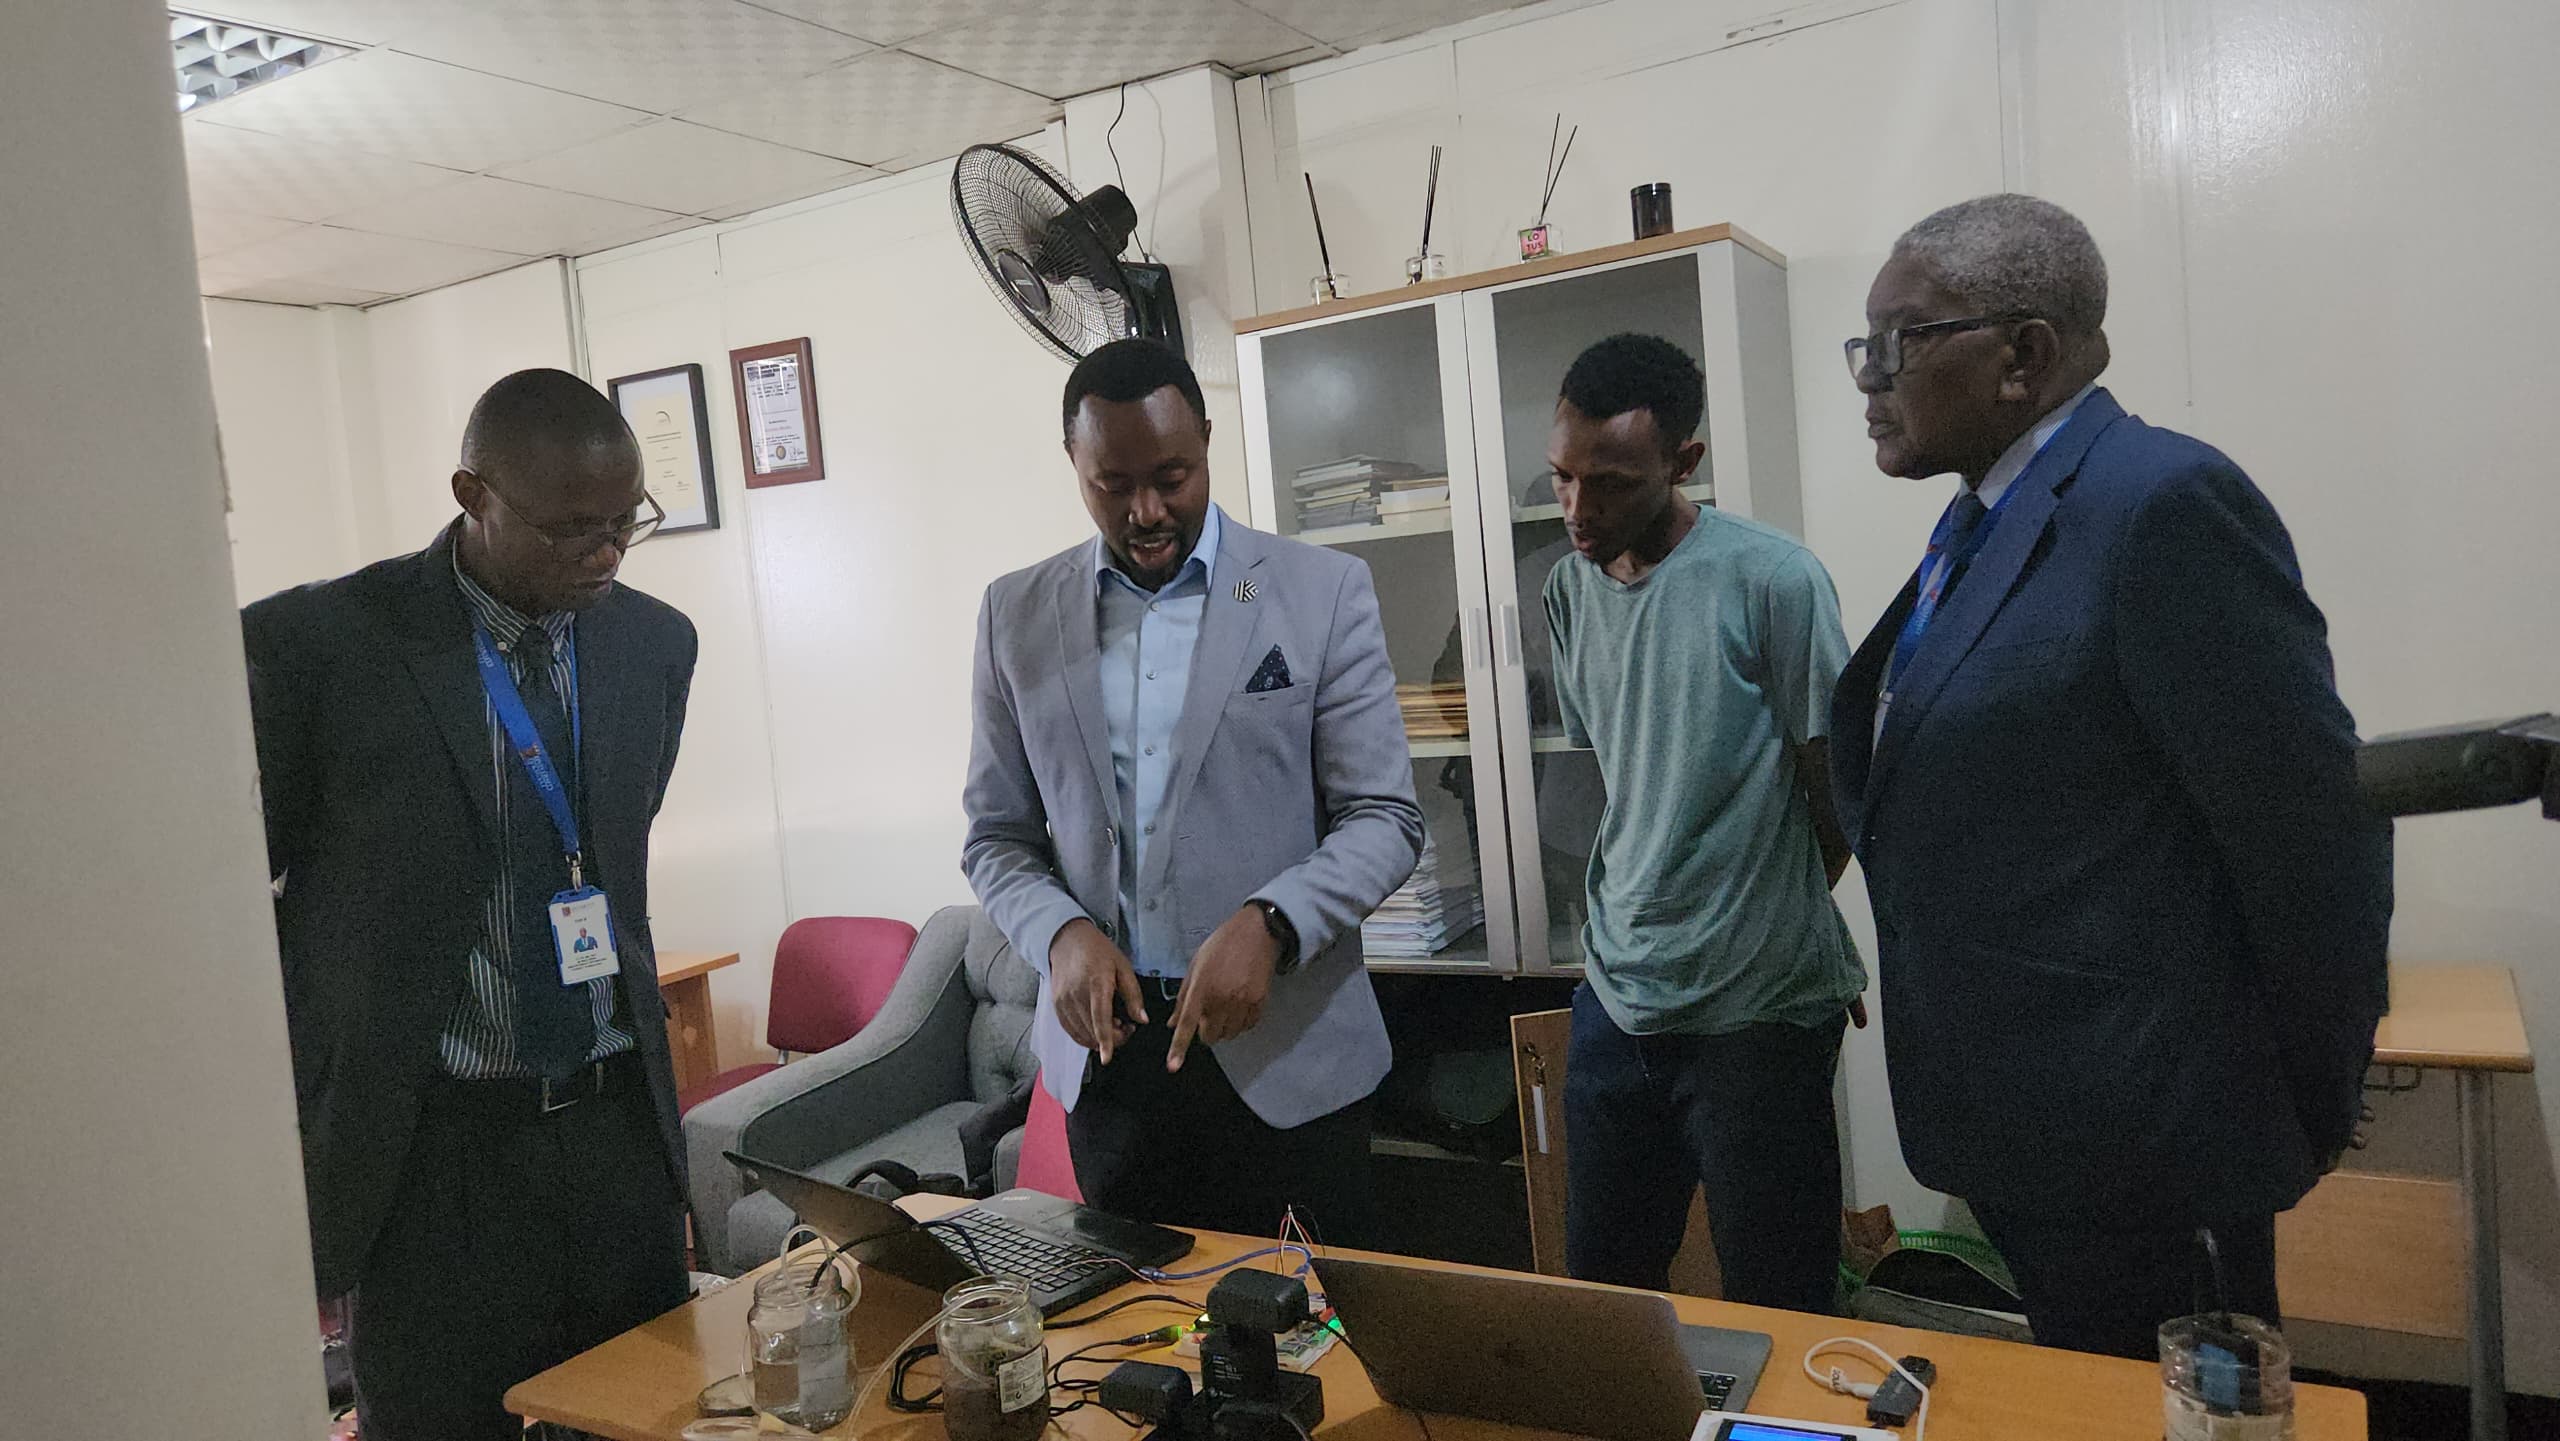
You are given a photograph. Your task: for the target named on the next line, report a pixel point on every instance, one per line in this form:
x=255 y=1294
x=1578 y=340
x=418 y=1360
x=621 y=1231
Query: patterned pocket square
x=1273 y=675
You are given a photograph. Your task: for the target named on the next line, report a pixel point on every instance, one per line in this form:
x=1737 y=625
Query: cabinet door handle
x=1510 y=633
x=1481 y=645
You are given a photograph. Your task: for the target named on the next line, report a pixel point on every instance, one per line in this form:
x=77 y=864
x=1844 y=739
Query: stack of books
x=1430 y=911
x=1362 y=489
x=1437 y=711
x=1413 y=498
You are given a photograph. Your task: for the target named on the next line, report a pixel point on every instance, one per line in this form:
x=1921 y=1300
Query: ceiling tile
x=887 y=110
x=671 y=165
x=1366 y=22
x=392 y=104
x=494 y=214
x=753 y=204
x=658 y=55
x=218 y=230
x=388 y=264
x=1070 y=47
x=349 y=22
x=270 y=175
x=283 y=292
x=887 y=22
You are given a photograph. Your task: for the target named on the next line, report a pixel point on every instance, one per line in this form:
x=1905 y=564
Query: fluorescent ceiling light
x=217 y=59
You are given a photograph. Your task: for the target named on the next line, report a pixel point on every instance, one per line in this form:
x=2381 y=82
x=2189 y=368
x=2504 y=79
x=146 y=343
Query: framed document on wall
x=666 y=412
x=778 y=413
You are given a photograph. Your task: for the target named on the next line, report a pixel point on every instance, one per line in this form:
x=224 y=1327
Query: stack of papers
x=1427 y=913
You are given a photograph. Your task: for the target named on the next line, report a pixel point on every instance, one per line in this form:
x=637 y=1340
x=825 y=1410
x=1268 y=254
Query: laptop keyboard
x=1002 y=1248
x=1719 y=1388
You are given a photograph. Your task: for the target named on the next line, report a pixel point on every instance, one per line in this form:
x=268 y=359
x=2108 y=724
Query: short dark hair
x=1127 y=370
x=1640 y=372
x=538 y=407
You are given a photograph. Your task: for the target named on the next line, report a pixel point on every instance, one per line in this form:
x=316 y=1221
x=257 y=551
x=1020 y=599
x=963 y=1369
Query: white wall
x=2324 y=226
x=275 y=387
x=157 y=1270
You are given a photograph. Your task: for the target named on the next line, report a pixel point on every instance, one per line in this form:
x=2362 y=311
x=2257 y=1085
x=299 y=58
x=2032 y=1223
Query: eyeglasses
x=579 y=544
x=1886 y=352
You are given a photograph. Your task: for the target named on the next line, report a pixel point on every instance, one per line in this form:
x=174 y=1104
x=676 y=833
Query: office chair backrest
x=1045 y=1164
x=831 y=975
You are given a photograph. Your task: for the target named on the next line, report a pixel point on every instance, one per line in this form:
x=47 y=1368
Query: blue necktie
x=1951 y=549
x=555 y=1024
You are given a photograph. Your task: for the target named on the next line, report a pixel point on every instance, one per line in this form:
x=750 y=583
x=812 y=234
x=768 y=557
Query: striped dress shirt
x=479 y=1042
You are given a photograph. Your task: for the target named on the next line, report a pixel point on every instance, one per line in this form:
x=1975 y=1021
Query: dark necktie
x=1959 y=544
x=1951 y=547
x=555 y=1025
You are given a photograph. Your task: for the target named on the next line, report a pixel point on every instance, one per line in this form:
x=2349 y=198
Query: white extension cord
x=1837 y=1381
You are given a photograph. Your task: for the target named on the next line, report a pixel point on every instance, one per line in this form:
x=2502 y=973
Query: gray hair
x=2015 y=254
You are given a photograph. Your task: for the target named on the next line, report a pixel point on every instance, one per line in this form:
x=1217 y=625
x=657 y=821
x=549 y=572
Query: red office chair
x=830 y=976
x=1045 y=1165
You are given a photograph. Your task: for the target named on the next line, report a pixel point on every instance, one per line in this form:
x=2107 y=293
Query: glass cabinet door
x=1360 y=439
x=1521 y=340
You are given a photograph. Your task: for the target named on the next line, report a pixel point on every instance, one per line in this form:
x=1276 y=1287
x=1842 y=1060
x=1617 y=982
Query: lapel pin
x=1245 y=592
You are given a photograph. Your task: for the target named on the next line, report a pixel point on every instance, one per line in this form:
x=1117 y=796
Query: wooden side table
x=2465 y=1019
x=684 y=980
x=2419 y=1254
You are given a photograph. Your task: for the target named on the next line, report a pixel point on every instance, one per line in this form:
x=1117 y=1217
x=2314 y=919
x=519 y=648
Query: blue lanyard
x=1935 y=570
x=527 y=742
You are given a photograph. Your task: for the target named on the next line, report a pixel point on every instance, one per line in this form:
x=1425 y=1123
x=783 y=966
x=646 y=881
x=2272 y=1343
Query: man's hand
x=1086 y=975
x=1858 y=1012
x=1229 y=979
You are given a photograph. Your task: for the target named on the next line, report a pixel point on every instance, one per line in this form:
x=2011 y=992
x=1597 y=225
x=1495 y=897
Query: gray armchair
x=954 y=1035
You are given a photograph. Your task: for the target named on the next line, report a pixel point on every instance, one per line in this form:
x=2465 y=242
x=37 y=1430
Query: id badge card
x=582 y=932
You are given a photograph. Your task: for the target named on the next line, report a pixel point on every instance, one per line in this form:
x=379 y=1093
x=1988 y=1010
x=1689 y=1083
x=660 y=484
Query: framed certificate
x=666 y=412
x=778 y=413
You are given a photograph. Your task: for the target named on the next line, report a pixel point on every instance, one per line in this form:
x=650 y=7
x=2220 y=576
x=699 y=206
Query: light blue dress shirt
x=1147 y=640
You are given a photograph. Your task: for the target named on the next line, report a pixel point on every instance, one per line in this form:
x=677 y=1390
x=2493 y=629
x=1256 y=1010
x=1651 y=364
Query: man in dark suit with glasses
x=2130 y=912
x=460 y=753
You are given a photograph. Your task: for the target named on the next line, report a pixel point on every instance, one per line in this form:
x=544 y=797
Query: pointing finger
x=1186 y=1022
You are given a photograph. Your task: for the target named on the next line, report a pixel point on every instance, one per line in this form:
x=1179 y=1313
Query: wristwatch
x=1276 y=921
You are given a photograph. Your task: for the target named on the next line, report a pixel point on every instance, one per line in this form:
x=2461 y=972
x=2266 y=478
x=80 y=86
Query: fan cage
x=994 y=189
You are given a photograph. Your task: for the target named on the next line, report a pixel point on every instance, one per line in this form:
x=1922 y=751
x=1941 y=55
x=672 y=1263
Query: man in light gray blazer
x=1188 y=784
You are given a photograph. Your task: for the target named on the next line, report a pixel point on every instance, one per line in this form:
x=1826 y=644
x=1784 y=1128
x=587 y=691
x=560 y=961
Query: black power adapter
x=1243 y=1393
x=1897 y=1398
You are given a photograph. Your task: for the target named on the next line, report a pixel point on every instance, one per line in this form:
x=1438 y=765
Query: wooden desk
x=2465 y=1019
x=640 y=1386
x=684 y=980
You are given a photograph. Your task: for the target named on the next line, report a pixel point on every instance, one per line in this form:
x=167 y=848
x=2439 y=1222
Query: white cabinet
x=1409 y=429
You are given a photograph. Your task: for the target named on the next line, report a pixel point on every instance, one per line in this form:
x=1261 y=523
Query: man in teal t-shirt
x=1695 y=654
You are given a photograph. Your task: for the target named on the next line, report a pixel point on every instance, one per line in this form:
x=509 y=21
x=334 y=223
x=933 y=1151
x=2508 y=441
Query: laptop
x=1067 y=1254
x=1538 y=1352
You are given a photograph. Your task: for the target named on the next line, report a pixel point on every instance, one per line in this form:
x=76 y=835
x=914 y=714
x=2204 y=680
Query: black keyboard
x=1718 y=1387
x=1001 y=1248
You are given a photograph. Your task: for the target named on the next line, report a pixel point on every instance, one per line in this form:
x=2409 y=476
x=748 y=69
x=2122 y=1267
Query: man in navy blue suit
x=2130 y=912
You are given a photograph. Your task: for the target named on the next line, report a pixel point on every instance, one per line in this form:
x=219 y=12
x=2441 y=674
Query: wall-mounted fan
x=1053 y=257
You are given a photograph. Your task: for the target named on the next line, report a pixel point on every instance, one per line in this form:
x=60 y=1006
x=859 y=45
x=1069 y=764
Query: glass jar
x=800 y=1343
x=995 y=1366
x=2225 y=1378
